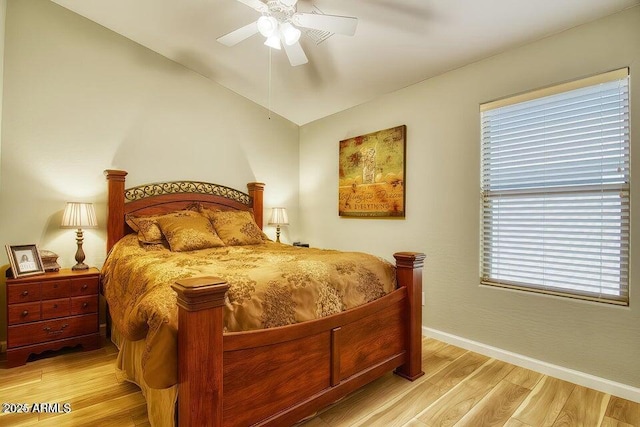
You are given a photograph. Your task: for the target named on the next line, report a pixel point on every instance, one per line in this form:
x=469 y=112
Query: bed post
x=409 y=274
x=115 y=209
x=256 y=191
x=200 y=350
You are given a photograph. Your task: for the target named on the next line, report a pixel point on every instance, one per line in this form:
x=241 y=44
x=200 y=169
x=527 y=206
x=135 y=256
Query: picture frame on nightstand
x=25 y=260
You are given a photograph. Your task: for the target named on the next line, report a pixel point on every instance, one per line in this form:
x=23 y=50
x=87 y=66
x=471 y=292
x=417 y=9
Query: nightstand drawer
x=23 y=313
x=84 y=305
x=80 y=287
x=56 y=289
x=55 y=308
x=49 y=330
x=23 y=293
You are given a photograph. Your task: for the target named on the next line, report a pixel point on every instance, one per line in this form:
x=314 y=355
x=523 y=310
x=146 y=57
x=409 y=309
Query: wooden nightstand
x=51 y=311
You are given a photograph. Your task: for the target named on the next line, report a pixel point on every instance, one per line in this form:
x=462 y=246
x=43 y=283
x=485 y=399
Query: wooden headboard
x=164 y=197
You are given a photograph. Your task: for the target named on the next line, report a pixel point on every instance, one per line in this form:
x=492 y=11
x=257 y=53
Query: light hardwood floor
x=459 y=388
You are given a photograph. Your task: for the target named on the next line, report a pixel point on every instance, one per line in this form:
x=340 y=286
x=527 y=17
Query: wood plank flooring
x=85 y=380
x=459 y=388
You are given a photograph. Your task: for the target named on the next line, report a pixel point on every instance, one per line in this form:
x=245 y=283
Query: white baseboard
x=587 y=380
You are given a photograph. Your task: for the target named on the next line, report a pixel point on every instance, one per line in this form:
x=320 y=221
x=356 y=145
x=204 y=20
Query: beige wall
x=3 y=13
x=443 y=161
x=79 y=99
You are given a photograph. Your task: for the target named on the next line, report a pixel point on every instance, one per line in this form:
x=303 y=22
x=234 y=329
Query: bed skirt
x=161 y=403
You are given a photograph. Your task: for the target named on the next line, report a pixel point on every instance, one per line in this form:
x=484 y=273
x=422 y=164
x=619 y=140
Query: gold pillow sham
x=189 y=233
x=147 y=226
x=236 y=228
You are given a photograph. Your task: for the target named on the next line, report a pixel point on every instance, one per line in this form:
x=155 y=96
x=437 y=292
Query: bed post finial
x=115 y=209
x=256 y=191
x=409 y=274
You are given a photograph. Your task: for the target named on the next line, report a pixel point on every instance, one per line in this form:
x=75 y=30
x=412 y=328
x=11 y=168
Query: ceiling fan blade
x=336 y=24
x=295 y=54
x=255 y=4
x=235 y=37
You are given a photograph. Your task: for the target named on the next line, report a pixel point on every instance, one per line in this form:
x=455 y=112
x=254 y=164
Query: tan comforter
x=271 y=285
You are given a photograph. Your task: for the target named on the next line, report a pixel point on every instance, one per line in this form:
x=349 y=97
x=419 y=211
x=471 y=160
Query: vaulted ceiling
x=397 y=43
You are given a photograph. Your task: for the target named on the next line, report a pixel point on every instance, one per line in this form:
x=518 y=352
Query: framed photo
x=25 y=260
x=372 y=176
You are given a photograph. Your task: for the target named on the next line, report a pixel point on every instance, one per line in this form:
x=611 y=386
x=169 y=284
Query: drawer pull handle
x=61 y=330
x=25 y=293
x=25 y=313
x=85 y=286
x=85 y=304
x=55 y=305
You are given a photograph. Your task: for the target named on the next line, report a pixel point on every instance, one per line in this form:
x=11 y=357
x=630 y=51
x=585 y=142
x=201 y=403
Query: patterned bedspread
x=271 y=285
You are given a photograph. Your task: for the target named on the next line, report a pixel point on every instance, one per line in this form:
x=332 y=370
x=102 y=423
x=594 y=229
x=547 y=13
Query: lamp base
x=80 y=265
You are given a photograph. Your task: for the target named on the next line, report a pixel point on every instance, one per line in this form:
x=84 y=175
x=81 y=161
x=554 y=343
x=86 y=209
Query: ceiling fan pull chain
x=269 y=96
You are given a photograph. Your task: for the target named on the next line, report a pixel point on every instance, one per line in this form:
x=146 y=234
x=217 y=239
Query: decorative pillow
x=236 y=228
x=207 y=212
x=132 y=220
x=147 y=226
x=189 y=233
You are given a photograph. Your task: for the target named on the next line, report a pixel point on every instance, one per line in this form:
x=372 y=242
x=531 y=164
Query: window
x=555 y=190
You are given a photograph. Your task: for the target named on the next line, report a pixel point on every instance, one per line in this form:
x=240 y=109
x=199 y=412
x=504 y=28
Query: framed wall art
x=372 y=175
x=25 y=260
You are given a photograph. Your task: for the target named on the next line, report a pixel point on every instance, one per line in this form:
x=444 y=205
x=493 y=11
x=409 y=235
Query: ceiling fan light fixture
x=267 y=25
x=273 y=41
x=290 y=34
x=281 y=25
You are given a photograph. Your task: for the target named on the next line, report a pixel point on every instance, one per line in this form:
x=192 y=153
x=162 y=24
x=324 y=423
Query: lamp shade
x=279 y=217
x=79 y=215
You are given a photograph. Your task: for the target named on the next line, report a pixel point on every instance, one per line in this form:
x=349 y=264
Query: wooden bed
x=275 y=376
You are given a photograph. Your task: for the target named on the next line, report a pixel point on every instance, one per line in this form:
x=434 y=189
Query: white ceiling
x=397 y=43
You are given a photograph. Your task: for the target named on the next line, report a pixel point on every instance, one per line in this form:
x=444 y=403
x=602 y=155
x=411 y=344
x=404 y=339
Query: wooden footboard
x=279 y=376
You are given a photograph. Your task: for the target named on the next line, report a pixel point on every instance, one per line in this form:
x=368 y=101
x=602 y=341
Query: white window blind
x=555 y=190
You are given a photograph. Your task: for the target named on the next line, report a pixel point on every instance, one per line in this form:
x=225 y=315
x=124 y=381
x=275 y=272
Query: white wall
x=443 y=201
x=79 y=99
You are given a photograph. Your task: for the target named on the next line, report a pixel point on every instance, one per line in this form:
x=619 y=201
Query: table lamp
x=278 y=217
x=79 y=215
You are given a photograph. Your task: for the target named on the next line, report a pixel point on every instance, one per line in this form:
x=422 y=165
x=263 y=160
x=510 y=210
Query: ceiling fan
x=279 y=22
